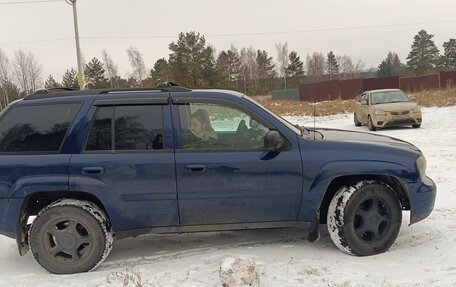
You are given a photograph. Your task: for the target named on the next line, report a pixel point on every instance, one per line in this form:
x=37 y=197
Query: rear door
x=232 y=179
x=128 y=161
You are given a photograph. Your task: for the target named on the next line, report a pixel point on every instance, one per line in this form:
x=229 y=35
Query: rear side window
x=36 y=128
x=133 y=128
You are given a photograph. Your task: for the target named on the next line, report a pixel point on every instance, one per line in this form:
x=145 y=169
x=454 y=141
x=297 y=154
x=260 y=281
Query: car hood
x=396 y=107
x=363 y=137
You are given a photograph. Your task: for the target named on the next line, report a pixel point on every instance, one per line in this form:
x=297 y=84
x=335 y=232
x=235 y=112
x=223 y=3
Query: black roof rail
x=48 y=90
x=164 y=87
x=64 y=91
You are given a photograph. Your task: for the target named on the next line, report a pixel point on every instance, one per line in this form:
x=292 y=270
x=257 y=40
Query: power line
x=275 y=33
x=37 y=41
x=29 y=2
x=235 y=34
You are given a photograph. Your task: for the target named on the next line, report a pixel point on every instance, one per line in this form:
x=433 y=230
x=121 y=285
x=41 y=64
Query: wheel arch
x=34 y=202
x=338 y=182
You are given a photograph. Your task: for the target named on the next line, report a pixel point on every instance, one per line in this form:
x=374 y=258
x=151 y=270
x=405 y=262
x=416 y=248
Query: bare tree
x=20 y=70
x=346 y=67
x=34 y=71
x=315 y=65
x=137 y=63
x=111 y=69
x=249 y=68
x=359 y=67
x=282 y=61
x=27 y=71
x=4 y=79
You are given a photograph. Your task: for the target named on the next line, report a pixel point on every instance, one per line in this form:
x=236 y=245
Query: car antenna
x=314 y=114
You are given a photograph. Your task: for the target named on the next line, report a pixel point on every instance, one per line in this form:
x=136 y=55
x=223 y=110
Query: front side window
x=36 y=128
x=215 y=126
x=126 y=128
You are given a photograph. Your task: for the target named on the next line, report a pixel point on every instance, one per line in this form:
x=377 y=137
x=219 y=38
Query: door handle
x=196 y=167
x=92 y=170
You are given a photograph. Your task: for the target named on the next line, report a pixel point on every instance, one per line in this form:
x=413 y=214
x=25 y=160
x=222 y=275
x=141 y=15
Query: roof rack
x=164 y=87
x=45 y=91
x=64 y=91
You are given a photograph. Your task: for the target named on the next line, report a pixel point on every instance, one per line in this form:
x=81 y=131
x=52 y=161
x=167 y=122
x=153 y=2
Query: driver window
x=215 y=126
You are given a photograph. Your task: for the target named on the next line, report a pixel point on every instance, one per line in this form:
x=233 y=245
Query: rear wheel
x=364 y=219
x=370 y=124
x=70 y=236
x=357 y=123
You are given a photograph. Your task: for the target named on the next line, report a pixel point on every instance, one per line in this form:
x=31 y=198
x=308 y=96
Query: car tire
x=416 y=126
x=364 y=219
x=370 y=124
x=357 y=123
x=70 y=236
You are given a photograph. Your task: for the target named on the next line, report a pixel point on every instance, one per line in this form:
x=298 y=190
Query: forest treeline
x=194 y=63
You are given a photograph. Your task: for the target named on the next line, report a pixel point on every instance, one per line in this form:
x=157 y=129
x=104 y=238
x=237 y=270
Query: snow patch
x=239 y=272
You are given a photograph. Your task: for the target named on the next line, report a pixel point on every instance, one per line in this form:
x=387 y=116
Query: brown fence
x=420 y=83
x=349 y=89
x=447 y=79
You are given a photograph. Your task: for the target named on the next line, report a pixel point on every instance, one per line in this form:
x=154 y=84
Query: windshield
x=388 y=97
x=282 y=120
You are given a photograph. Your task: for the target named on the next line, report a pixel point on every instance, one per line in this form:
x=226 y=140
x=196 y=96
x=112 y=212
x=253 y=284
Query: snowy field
x=424 y=254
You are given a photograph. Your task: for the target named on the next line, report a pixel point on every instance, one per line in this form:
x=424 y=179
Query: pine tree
x=69 y=79
x=449 y=56
x=192 y=62
x=51 y=83
x=295 y=69
x=424 y=56
x=228 y=67
x=265 y=68
x=385 y=69
x=161 y=72
x=332 y=66
x=95 y=75
x=390 y=66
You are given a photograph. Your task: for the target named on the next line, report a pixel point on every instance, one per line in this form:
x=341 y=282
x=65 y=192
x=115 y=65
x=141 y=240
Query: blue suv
x=79 y=168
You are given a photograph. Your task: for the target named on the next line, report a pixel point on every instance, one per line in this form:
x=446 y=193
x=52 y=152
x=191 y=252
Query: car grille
x=399 y=113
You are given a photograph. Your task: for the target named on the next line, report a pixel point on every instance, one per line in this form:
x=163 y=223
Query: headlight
x=378 y=112
x=421 y=165
x=417 y=109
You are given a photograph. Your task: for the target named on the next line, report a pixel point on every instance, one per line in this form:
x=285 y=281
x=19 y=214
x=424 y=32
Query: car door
x=233 y=179
x=127 y=161
x=364 y=108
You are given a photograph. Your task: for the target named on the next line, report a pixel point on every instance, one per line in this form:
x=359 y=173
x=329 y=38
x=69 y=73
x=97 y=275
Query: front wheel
x=364 y=219
x=370 y=124
x=357 y=123
x=70 y=236
x=416 y=126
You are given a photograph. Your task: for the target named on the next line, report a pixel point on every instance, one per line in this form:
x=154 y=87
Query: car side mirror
x=364 y=103
x=274 y=141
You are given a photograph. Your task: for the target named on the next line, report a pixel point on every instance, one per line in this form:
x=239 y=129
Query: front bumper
x=389 y=120
x=422 y=199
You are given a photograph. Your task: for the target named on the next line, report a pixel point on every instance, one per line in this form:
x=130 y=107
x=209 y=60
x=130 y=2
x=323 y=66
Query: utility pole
x=80 y=75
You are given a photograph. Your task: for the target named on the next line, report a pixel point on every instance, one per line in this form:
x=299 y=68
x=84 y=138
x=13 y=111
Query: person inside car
x=201 y=126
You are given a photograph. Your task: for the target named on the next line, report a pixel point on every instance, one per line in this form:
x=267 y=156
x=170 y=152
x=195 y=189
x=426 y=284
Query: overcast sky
x=363 y=30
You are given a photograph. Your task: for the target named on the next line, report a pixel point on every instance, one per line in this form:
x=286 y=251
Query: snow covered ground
x=424 y=254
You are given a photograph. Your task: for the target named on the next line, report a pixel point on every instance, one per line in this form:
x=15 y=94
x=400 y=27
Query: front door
x=224 y=174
